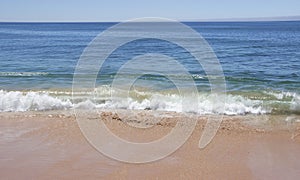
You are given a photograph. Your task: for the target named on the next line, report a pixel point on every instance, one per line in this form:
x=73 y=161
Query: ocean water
x=260 y=60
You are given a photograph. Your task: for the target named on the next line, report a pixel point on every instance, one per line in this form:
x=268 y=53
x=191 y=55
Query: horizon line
x=250 y=19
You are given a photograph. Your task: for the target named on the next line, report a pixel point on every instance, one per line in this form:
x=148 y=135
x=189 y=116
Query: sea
x=260 y=62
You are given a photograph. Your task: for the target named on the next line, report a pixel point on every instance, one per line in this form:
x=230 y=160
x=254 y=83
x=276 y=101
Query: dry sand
x=49 y=145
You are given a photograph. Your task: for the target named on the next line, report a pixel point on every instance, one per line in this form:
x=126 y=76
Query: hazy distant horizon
x=275 y=18
x=250 y=19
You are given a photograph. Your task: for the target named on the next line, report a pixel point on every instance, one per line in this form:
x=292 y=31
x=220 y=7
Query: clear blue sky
x=118 y=10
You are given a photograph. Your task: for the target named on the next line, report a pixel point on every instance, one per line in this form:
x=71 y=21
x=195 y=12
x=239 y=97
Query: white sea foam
x=19 y=101
x=23 y=74
x=295 y=104
x=282 y=95
x=207 y=103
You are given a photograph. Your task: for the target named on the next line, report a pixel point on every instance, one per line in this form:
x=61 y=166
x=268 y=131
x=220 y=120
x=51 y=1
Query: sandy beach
x=47 y=145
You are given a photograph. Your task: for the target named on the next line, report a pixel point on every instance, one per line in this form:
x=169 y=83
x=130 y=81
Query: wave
x=26 y=101
x=70 y=75
x=169 y=100
x=22 y=74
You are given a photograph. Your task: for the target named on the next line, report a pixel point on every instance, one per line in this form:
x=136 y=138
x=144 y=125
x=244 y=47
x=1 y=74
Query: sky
x=121 y=10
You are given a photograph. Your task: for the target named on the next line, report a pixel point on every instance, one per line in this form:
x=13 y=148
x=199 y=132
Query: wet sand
x=49 y=145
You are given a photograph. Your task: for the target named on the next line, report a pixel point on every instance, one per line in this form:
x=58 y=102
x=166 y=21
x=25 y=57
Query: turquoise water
x=260 y=60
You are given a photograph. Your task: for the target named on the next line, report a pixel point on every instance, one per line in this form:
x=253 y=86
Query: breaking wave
x=236 y=104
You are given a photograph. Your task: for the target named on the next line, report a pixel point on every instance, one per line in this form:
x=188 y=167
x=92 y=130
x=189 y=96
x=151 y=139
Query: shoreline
x=50 y=144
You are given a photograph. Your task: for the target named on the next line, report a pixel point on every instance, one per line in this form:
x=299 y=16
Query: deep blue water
x=256 y=57
x=253 y=54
